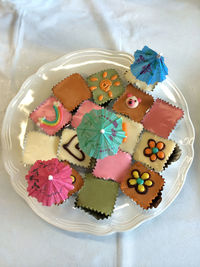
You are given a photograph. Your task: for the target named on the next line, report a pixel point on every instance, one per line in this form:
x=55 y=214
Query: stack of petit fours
x=144 y=154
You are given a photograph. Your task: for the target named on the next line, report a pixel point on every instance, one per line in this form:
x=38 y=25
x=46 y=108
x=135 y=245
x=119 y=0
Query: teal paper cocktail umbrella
x=100 y=133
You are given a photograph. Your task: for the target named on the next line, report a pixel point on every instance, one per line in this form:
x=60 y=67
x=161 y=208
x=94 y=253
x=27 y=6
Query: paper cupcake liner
x=157 y=200
x=92 y=163
x=95 y=214
x=176 y=154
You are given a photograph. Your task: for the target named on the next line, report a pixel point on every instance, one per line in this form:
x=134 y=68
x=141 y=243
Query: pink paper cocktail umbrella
x=49 y=181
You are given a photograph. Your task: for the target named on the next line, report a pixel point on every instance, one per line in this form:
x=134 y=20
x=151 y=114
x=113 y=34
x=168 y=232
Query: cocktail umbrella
x=49 y=181
x=149 y=66
x=100 y=133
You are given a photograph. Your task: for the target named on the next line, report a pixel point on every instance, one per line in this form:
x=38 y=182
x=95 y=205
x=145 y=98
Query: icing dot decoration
x=93 y=79
x=73 y=179
x=154 y=150
x=139 y=181
x=92 y=88
x=124 y=128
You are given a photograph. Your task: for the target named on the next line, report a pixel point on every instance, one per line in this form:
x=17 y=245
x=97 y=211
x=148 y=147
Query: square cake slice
x=162 y=118
x=154 y=151
x=134 y=103
x=105 y=85
x=51 y=116
x=143 y=185
x=39 y=146
x=97 y=196
x=113 y=167
x=69 y=149
x=72 y=91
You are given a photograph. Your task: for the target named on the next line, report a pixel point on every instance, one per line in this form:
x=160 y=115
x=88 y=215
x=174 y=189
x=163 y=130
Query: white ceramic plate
x=37 y=88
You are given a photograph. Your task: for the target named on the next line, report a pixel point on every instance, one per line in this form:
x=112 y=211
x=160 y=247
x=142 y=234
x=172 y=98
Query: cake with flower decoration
x=143 y=185
x=102 y=134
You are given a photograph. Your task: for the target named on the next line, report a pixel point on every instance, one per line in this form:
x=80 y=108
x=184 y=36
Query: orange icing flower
x=154 y=150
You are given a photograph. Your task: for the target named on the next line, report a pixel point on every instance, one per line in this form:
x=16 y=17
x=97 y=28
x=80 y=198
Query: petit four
x=143 y=185
x=154 y=151
x=133 y=103
x=97 y=196
x=72 y=91
x=162 y=118
x=113 y=167
x=51 y=116
x=70 y=151
x=105 y=85
x=39 y=146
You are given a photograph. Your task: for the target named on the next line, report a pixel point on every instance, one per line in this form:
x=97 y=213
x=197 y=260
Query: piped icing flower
x=154 y=150
x=139 y=181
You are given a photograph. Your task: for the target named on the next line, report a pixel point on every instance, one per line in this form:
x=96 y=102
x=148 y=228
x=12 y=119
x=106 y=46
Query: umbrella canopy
x=49 y=181
x=100 y=133
x=149 y=66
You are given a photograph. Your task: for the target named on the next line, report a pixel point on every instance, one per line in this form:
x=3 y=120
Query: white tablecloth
x=35 y=32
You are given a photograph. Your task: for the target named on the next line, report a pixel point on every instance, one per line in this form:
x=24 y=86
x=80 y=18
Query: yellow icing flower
x=140 y=182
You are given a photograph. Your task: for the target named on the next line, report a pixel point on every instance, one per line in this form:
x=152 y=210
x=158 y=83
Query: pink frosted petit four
x=113 y=167
x=162 y=118
x=51 y=116
x=84 y=108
